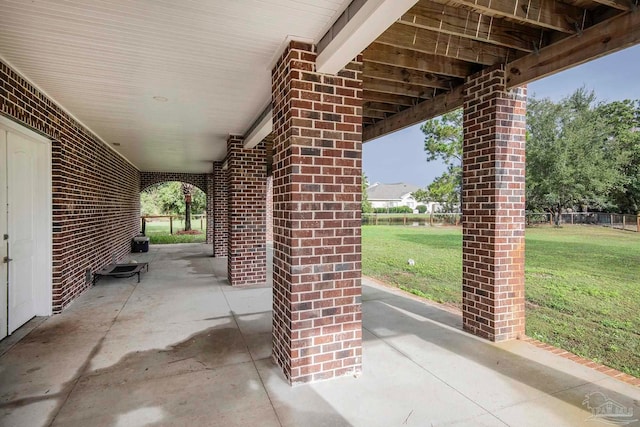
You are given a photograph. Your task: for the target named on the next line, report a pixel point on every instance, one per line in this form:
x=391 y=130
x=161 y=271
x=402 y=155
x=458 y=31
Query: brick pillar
x=210 y=207
x=493 y=201
x=317 y=319
x=220 y=201
x=270 y=208
x=247 y=180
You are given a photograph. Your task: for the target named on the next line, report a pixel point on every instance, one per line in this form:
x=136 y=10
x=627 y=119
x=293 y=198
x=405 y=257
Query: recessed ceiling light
x=160 y=98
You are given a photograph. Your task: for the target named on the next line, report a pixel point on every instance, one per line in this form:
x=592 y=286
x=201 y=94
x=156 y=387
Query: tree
x=168 y=199
x=623 y=117
x=570 y=159
x=186 y=191
x=443 y=141
x=366 y=204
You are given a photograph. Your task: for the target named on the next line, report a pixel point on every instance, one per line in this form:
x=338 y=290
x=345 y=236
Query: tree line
x=582 y=154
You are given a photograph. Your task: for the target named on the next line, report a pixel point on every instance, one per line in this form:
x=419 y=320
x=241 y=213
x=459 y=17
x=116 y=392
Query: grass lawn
x=158 y=232
x=582 y=283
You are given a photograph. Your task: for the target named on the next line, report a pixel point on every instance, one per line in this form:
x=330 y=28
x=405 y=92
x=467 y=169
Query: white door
x=4 y=325
x=26 y=201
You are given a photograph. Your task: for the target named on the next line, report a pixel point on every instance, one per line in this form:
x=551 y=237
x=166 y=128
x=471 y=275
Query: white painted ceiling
x=104 y=61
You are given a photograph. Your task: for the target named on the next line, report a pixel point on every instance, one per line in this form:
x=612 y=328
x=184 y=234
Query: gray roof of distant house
x=390 y=191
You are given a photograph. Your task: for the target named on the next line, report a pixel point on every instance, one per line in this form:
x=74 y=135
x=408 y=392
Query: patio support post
x=219 y=216
x=493 y=202
x=246 y=216
x=317 y=319
x=210 y=208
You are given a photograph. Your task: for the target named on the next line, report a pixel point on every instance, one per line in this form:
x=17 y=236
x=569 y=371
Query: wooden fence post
x=171 y=225
x=144 y=226
x=638 y=224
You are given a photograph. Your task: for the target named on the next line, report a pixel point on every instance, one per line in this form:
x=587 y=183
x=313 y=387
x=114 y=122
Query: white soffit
x=162 y=82
x=359 y=31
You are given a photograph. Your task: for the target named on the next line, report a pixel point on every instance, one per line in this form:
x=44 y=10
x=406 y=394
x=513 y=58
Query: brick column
x=220 y=201
x=493 y=200
x=270 y=208
x=317 y=323
x=247 y=179
x=210 y=207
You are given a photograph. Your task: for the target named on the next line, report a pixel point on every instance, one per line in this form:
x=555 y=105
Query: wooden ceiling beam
x=382 y=106
x=387 y=98
x=405 y=58
x=476 y=26
x=552 y=14
x=374 y=114
x=424 y=111
x=415 y=77
x=617 y=4
x=397 y=88
x=445 y=45
x=615 y=34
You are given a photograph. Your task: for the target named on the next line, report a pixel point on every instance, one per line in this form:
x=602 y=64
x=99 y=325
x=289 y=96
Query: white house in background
x=392 y=195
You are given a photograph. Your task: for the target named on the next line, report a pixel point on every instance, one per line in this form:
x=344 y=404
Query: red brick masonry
x=96 y=193
x=247 y=187
x=317 y=167
x=493 y=200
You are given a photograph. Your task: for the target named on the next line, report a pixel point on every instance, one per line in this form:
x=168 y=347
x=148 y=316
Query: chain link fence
x=619 y=221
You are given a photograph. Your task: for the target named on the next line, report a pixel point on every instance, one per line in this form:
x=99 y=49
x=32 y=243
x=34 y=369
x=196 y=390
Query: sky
x=400 y=157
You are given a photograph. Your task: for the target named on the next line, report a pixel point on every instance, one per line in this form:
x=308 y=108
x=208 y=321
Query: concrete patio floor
x=183 y=348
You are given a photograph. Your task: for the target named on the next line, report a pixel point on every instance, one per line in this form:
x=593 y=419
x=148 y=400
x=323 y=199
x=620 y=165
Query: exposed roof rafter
x=607 y=37
x=446 y=45
x=391 y=55
x=464 y=22
x=551 y=14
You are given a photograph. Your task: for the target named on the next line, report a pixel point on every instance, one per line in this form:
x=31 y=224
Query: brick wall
x=247 y=182
x=220 y=211
x=201 y=180
x=493 y=203
x=269 y=209
x=95 y=192
x=317 y=170
x=147 y=179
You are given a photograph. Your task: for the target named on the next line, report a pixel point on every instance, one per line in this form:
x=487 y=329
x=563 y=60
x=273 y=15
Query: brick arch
x=147 y=179
x=201 y=180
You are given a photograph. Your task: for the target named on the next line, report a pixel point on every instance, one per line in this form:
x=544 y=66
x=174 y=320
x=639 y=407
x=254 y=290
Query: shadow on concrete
x=443 y=329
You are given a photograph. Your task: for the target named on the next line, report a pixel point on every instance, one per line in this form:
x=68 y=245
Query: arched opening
x=173 y=212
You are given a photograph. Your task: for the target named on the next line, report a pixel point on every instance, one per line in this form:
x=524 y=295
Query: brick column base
x=246 y=246
x=317 y=319
x=493 y=201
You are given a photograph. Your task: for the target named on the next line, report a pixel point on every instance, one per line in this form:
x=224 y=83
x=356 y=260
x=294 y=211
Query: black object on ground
x=121 y=270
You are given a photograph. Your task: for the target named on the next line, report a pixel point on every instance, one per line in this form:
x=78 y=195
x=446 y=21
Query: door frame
x=43 y=303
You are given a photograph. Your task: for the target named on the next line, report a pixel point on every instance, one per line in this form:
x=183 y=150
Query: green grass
x=582 y=283
x=158 y=232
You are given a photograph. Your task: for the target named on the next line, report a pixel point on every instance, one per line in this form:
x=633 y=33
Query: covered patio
x=99 y=99
x=184 y=348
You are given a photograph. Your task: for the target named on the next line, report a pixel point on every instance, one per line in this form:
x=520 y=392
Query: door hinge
x=6 y=260
x=6 y=237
